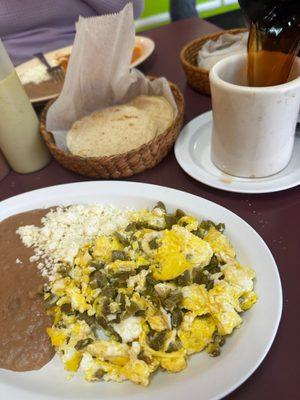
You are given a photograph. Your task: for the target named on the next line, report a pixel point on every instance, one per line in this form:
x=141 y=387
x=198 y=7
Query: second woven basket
x=197 y=77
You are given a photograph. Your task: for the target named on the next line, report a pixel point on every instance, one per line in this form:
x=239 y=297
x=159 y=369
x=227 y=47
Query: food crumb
x=34 y=258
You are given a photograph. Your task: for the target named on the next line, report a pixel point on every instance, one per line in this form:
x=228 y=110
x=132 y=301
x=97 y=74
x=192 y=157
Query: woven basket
x=197 y=77
x=121 y=165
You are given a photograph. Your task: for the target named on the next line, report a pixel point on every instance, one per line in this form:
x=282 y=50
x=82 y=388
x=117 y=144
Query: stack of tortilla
x=119 y=129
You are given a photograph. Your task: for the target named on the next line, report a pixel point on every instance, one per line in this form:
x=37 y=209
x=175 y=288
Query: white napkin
x=226 y=45
x=98 y=74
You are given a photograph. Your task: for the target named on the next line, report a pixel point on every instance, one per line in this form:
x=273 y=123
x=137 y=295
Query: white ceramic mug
x=253 y=127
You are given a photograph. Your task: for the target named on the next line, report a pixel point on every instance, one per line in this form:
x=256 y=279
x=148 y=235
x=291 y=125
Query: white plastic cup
x=253 y=127
x=20 y=140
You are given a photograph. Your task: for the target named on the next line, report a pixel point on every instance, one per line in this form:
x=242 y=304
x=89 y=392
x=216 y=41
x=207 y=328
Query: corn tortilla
x=119 y=129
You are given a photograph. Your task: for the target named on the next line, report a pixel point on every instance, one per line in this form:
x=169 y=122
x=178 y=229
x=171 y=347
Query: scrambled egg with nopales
x=148 y=296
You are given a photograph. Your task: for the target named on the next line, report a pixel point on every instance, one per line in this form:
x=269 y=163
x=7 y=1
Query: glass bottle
x=274 y=39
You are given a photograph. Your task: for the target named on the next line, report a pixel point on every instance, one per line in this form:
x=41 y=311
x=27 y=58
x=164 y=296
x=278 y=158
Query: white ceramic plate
x=145 y=43
x=192 y=151
x=205 y=377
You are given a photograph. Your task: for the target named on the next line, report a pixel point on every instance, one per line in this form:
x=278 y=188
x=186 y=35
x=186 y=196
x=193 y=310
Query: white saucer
x=192 y=151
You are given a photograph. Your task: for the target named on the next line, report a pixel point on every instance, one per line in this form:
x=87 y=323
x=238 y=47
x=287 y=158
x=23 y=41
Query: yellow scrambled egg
x=146 y=297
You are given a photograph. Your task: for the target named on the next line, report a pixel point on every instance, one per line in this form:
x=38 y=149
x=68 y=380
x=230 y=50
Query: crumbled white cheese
x=135 y=348
x=164 y=289
x=188 y=319
x=110 y=317
x=58 y=285
x=216 y=277
x=113 y=307
x=65 y=230
x=129 y=329
x=171 y=337
x=36 y=74
x=158 y=212
x=18 y=261
x=34 y=258
x=114 y=350
x=69 y=352
x=87 y=362
x=100 y=334
x=138 y=282
x=167 y=317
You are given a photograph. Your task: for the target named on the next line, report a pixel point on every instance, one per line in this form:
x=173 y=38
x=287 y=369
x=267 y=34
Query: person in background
x=31 y=26
x=180 y=9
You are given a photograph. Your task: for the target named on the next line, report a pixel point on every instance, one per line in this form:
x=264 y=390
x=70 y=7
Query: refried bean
x=24 y=343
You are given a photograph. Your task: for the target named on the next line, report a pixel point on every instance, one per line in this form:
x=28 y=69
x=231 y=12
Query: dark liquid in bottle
x=274 y=39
